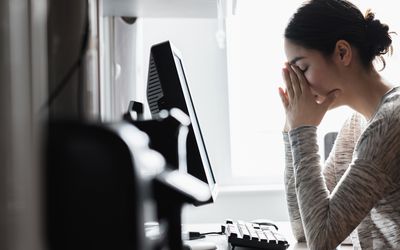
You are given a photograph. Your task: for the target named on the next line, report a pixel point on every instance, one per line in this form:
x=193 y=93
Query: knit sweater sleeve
x=290 y=191
x=344 y=145
x=329 y=217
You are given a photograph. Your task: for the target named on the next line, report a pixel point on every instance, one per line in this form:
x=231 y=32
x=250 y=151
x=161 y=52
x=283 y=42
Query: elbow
x=297 y=230
x=321 y=242
x=322 y=246
x=300 y=238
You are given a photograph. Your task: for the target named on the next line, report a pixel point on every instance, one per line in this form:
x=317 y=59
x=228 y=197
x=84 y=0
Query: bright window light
x=255 y=60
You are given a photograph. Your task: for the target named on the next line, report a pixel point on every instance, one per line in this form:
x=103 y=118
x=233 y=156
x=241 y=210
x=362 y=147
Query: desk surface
x=222 y=243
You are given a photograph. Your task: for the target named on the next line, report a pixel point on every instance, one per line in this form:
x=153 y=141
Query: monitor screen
x=167 y=88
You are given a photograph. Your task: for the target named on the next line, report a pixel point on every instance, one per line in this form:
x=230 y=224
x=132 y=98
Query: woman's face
x=317 y=69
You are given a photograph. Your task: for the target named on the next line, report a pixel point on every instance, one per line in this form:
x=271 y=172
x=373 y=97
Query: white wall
x=206 y=69
x=240 y=205
x=205 y=65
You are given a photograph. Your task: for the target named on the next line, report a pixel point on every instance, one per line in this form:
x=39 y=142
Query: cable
x=76 y=65
x=198 y=235
x=85 y=44
x=80 y=93
x=62 y=84
x=211 y=233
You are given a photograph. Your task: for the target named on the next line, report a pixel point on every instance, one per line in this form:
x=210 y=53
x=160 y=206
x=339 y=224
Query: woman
x=330 y=47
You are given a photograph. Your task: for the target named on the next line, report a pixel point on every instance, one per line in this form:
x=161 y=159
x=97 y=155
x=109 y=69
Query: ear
x=343 y=53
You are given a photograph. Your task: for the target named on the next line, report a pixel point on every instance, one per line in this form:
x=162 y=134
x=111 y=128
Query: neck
x=365 y=92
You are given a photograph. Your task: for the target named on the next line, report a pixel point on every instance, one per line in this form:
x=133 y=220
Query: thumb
x=330 y=98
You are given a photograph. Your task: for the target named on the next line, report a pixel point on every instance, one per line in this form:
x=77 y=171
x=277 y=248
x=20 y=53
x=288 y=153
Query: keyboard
x=253 y=235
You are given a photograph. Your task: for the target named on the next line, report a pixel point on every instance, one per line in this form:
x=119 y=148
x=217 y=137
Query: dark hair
x=319 y=24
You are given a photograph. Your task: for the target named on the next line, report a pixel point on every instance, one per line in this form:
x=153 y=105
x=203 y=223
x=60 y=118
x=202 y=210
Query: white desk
x=222 y=242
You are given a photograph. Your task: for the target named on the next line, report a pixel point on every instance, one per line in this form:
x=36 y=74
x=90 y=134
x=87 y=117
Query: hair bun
x=378 y=36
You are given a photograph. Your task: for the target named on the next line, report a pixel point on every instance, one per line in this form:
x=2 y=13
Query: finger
x=294 y=79
x=300 y=76
x=288 y=83
x=283 y=96
x=286 y=94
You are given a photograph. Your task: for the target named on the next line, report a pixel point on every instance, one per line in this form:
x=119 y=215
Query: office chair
x=329 y=140
x=93 y=193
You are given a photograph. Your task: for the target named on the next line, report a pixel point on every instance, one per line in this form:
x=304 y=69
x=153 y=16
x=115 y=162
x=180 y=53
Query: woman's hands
x=299 y=102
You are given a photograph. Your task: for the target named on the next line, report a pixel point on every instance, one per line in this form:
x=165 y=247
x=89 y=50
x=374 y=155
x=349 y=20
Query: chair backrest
x=329 y=140
x=91 y=190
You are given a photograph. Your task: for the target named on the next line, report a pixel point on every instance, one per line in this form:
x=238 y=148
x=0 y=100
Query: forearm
x=308 y=158
x=291 y=197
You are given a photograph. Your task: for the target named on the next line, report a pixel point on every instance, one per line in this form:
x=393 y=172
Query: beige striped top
x=359 y=186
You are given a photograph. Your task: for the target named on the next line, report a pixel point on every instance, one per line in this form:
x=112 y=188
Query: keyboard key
x=270 y=236
x=254 y=236
x=261 y=235
x=252 y=231
x=243 y=229
x=233 y=230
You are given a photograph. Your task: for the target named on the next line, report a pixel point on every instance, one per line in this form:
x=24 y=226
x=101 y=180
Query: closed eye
x=304 y=70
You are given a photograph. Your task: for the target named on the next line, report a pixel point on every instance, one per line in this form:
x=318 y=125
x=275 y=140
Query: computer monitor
x=167 y=88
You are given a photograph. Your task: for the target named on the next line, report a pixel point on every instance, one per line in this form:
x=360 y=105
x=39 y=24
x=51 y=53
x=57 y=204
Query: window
x=255 y=59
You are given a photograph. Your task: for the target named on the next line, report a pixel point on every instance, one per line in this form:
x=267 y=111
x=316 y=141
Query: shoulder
x=389 y=107
x=386 y=120
x=380 y=139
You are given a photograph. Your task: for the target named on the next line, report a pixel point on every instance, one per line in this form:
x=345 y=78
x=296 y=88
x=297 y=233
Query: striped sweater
x=358 y=189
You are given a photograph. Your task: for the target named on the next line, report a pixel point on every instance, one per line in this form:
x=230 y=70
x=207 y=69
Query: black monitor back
x=165 y=85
